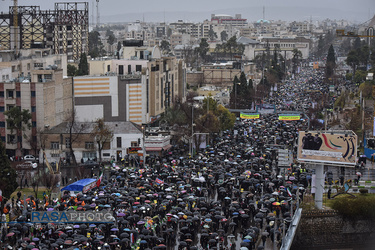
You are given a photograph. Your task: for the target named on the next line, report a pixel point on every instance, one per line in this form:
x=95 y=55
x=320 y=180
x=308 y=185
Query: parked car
x=29 y=158
x=90 y=164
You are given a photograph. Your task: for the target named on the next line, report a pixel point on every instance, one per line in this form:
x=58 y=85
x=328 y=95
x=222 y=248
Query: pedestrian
x=329 y=194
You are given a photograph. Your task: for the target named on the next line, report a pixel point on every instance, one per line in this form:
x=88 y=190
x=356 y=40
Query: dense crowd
x=229 y=195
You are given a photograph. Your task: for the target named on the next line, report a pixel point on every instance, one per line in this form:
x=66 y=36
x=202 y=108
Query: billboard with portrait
x=339 y=147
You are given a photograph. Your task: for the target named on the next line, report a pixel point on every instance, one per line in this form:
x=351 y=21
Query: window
x=34 y=124
x=134 y=144
x=9 y=107
x=11 y=139
x=48 y=77
x=38 y=65
x=118 y=139
x=1 y=93
x=108 y=68
x=67 y=142
x=58 y=62
x=2 y=124
x=2 y=109
x=10 y=94
x=138 y=68
x=54 y=145
x=33 y=108
x=89 y=145
x=2 y=138
x=32 y=93
x=18 y=93
x=28 y=66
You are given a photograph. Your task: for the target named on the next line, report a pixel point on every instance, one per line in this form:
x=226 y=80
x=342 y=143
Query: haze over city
x=194 y=10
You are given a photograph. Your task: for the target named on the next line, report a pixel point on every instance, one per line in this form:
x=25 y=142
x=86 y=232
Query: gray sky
x=198 y=10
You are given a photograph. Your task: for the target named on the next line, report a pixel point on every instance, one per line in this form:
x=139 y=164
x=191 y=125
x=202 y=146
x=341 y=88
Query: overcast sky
x=190 y=10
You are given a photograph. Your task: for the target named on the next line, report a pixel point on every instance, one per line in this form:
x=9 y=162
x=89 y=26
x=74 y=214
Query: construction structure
x=64 y=29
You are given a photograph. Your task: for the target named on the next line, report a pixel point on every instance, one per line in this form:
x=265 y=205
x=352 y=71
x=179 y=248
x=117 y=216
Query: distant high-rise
x=64 y=29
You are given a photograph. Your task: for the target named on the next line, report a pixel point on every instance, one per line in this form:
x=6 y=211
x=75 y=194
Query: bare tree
x=102 y=135
x=74 y=130
x=50 y=181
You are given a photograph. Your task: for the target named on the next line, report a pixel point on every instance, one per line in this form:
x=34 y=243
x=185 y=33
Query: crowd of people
x=230 y=195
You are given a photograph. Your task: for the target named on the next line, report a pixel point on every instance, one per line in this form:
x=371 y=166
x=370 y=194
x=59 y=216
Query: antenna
x=15 y=24
x=97 y=13
x=92 y=12
x=264 y=13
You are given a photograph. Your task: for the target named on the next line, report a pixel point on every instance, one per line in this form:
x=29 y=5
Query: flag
x=288 y=191
x=132 y=240
x=99 y=180
x=158 y=181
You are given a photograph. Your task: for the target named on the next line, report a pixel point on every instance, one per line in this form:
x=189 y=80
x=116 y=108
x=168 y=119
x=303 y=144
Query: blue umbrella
x=246 y=240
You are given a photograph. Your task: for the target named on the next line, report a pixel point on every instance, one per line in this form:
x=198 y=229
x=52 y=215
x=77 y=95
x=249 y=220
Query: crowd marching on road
x=230 y=195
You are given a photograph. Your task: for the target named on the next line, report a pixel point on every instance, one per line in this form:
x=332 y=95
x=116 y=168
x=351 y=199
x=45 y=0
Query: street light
x=235 y=94
x=143 y=145
x=192 y=130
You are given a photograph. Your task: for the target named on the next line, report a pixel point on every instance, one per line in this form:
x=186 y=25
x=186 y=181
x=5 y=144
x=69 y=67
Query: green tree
x=119 y=45
x=212 y=34
x=331 y=62
x=110 y=37
x=83 y=66
x=203 y=48
x=165 y=46
x=72 y=70
x=8 y=175
x=223 y=36
x=212 y=104
x=19 y=121
x=102 y=134
x=352 y=60
x=320 y=46
x=357 y=43
x=296 y=59
x=95 y=44
x=226 y=118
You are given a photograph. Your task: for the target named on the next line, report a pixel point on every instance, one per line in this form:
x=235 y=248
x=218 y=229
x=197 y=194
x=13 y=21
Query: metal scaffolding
x=64 y=29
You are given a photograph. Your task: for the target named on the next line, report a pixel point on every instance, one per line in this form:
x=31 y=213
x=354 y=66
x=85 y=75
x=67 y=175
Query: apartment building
x=48 y=100
x=236 y=21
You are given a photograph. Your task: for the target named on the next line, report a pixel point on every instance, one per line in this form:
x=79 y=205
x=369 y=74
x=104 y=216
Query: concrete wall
x=194 y=78
x=328 y=230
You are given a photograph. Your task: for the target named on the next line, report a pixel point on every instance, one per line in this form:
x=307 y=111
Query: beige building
x=47 y=96
x=166 y=83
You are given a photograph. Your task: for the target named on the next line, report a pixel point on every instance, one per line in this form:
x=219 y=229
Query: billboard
x=339 y=147
x=287 y=117
x=249 y=116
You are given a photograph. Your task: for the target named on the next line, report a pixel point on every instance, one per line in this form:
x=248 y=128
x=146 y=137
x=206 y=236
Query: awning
x=81 y=186
x=158 y=148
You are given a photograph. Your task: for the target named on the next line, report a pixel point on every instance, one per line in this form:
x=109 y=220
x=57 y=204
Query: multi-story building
x=114 y=98
x=166 y=84
x=47 y=96
x=236 y=21
x=64 y=29
x=30 y=60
